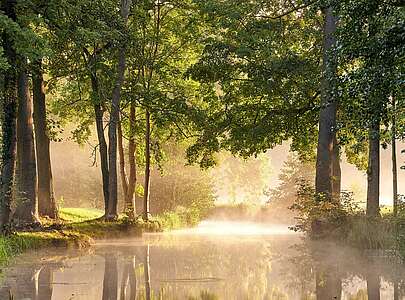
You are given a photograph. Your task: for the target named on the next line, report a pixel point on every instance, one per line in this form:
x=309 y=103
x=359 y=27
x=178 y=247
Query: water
x=216 y=260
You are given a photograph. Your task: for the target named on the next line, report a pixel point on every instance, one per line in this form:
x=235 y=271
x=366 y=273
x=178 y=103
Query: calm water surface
x=216 y=260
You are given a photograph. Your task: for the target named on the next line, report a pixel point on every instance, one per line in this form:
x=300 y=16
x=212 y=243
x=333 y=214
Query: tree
x=365 y=53
x=27 y=206
x=46 y=198
x=261 y=79
x=9 y=126
x=82 y=37
x=128 y=183
x=327 y=119
x=111 y=209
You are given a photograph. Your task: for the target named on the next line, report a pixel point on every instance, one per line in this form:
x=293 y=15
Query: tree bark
x=130 y=208
x=337 y=171
x=122 y=162
x=27 y=206
x=46 y=198
x=102 y=144
x=146 y=194
x=9 y=124
x=327 y=118
x=394 y=159
x=373 y=171
x=114 y=116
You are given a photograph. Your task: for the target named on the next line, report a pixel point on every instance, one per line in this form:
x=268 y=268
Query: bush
x=180 y=217
x=343 y=220
x=319 y=216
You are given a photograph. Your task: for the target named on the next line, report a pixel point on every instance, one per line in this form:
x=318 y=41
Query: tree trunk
x=9 y=124
x=27 y=207
x=327 y=118
x=147 y=169
x=102 y=144
x=394 y=159
x=114 y=116
x=373 y=171
x=122 y=162
x=337 y=172
x=130 y=208
x=46 y=198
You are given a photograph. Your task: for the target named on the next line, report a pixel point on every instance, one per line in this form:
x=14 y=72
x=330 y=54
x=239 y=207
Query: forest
x=178 y=102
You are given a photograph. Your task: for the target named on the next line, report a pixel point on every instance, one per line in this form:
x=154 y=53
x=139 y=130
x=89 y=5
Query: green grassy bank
x=79 y=227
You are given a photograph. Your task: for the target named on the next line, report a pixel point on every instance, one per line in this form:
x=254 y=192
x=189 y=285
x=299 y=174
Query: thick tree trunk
x=112 y=129
x=373 y=171
x=337 y=172
x=99 y=114
x=9 y=124
x=394 y=160
x=27 y=207
x=327 y=118
x=46 y=198
x=130 y=208
x=147 y=169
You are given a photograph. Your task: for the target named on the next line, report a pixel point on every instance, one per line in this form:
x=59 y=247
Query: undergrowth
x=345 y=221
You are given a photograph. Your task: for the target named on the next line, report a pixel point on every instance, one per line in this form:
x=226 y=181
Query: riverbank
x=78 y=228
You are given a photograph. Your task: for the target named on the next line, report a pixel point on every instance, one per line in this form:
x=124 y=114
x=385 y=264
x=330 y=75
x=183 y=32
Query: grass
x=79 y=226
x=74 y=214
x=11 y=246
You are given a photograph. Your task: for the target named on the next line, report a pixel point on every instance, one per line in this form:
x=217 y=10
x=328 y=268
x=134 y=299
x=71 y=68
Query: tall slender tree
x=146 y=196
x=111 y=209
x=394 y=158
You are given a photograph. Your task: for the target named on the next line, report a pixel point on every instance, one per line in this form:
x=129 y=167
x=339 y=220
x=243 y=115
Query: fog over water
x=236 y=261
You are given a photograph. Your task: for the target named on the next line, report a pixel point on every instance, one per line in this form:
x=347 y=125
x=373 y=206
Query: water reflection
x=205 y=267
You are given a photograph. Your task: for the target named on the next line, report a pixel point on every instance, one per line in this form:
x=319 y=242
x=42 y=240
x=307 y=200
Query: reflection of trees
x=146 y=271
x=110 y=282
x=373 y=285
x=45 y=281
x=328 y=283
x=31 y=282
x=227 y=268
x=128 y=282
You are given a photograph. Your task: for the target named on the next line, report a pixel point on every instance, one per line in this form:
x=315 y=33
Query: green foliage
x=319 y=217
x=371 y=62
x=178 y=185
x=261 y=78
x=346 y=223
x=179 y=218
